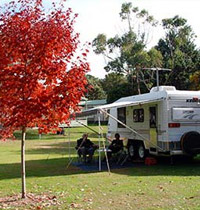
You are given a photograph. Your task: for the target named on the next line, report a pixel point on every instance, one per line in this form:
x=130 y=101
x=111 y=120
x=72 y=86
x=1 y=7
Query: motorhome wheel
x=131 y=151
x=191 y=142
x=141 y=151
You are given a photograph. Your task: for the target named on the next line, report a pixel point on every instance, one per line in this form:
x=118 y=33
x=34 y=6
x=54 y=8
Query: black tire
x=190 y=143
x=132 y=151
x=141 y=151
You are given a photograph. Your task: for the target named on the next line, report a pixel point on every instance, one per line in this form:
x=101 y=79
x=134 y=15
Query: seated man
x=115 y=146
x=86 y=147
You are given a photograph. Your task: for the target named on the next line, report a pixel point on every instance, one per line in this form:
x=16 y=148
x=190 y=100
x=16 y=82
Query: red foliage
x=41 y=81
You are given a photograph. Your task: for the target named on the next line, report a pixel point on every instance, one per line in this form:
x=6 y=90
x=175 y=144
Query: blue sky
x=102 y=16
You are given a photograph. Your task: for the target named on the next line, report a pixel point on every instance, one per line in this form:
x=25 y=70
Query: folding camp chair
x=123 y=157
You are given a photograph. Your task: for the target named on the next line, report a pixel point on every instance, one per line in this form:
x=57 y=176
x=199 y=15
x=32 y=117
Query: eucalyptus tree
x=94 y=88
x=179 y=52
x=115 y=86
x=125 y=53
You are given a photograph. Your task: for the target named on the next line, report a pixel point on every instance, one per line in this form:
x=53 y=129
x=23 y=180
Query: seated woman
x=115 y=146
x=85 y=147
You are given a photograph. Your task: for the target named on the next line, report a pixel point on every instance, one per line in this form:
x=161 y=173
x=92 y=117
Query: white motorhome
x=164 y=121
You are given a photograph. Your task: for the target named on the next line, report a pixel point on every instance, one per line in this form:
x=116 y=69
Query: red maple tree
x=41 y=77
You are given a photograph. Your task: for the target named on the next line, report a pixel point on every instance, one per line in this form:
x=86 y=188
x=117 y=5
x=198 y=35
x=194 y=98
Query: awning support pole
x=99 y=136
x=104 y=147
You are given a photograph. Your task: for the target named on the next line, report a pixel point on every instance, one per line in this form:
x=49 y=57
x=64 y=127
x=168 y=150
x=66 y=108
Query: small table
x=104 y=150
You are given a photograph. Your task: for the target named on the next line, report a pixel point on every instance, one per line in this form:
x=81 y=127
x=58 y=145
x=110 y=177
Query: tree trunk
x=23 y=172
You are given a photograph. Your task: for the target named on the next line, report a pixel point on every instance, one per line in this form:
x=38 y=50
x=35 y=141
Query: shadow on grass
x=39 y=168
x=58 y=167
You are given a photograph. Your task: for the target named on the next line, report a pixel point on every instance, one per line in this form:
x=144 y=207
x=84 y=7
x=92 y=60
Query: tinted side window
x=152 y=114
x=121 y=116
x=138 y=115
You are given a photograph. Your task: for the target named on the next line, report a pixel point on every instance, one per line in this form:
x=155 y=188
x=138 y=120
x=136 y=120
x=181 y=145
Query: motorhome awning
x=119 y=104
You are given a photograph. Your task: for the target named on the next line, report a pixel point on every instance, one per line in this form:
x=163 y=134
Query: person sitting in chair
x=85 y=147
x=115 y=146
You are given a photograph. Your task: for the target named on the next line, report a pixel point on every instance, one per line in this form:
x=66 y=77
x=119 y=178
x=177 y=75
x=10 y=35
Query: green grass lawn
x=163 y=186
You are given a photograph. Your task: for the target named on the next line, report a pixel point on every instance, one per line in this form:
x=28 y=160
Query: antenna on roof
x=157 y=74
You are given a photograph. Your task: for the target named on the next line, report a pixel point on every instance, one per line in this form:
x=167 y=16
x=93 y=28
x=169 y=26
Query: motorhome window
x=138 y=115
x=152 y=117
x=121 y=116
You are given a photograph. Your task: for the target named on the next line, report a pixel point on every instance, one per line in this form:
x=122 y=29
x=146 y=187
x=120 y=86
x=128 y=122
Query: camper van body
x=166 y=121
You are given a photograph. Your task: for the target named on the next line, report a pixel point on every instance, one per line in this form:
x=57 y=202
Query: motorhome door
x=153 y=125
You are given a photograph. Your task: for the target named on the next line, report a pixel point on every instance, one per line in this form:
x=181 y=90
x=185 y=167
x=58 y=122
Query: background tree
x=40 y=80
x=179 y=52
x=112 y=87
x=121 y=90
x=115 y=86
x=126 y=53
x=94 y=88
x=112 y=80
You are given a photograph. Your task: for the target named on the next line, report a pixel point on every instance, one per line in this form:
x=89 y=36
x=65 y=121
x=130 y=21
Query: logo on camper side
x=189 y=115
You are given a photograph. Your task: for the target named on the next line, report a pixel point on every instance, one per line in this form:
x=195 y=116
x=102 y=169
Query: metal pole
x=157 y=74
x=99 y=122
x=157 y=79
